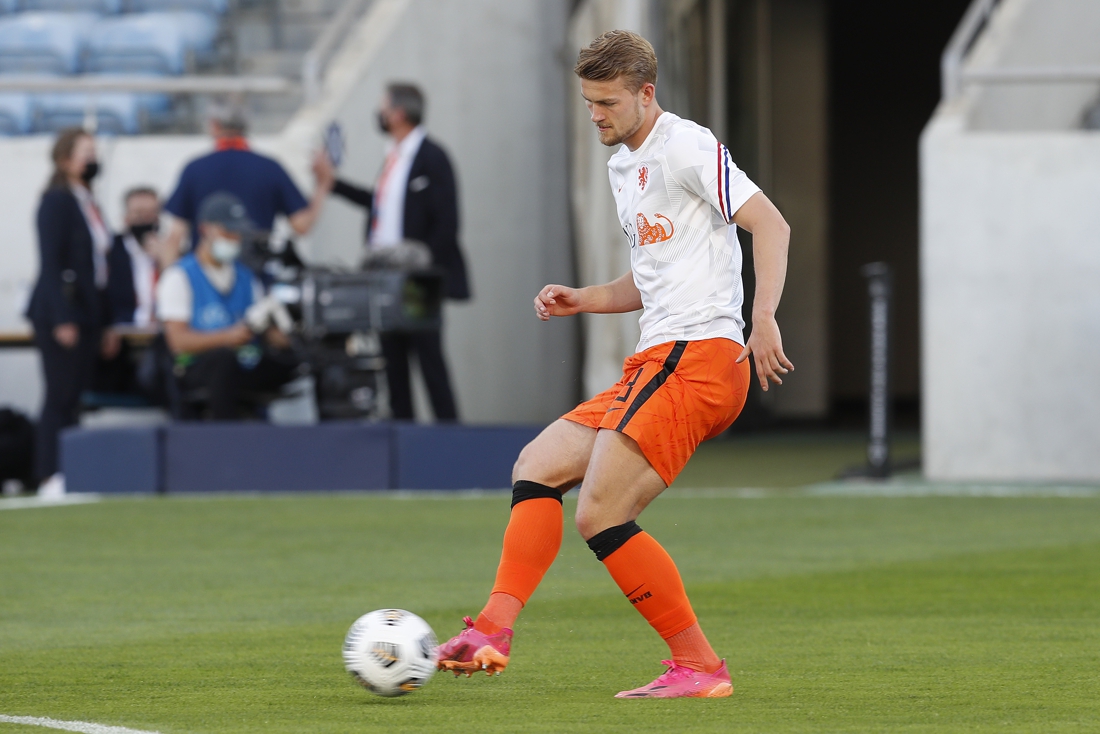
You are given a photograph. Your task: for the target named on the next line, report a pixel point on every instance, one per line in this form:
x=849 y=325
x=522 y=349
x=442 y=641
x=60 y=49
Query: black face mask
x=139 y=231
x=91 y=170
x=383 y=123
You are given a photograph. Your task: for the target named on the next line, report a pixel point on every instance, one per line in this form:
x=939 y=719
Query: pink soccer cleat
x=681 y=682
x=472 y=650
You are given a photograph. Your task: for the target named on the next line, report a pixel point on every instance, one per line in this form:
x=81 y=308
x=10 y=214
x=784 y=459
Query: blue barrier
x=229 y=457
x=457 y=457
x=111 y=460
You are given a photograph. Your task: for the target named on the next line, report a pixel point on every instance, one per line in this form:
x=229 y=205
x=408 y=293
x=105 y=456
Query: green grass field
x=838 y=614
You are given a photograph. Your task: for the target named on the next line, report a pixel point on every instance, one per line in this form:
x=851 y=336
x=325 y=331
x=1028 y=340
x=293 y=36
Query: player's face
x=617 y=111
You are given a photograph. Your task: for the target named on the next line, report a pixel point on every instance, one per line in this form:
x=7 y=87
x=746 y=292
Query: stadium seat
x=200 y=30
x=43 y=43
x=16 y=114
x=74 y=6
x=116 y=113
x=217 y=7
x=145 y=44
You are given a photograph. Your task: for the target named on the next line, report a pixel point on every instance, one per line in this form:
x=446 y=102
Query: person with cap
x=261 y=183
x=220 y=328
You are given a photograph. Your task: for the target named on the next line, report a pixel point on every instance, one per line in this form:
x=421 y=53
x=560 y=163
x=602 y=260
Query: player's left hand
x=766 y=345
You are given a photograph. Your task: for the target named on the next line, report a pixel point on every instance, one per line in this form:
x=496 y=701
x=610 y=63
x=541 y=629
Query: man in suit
x=131 y=279
x=414 y=198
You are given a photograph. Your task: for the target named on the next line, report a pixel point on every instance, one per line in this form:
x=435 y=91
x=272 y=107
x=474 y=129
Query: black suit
x=431 y=217
x=65 y=293
x=121 y=301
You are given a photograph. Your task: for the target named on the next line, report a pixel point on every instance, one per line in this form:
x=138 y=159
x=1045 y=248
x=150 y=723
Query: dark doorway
x=884 y=87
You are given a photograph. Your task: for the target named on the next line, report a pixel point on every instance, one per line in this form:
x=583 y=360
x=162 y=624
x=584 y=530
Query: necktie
x=380 y=189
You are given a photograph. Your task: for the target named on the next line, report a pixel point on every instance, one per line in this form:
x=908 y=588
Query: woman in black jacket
x=66 y=307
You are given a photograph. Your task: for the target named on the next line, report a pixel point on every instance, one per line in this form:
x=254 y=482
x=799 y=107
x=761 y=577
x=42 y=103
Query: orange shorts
x=671 y=398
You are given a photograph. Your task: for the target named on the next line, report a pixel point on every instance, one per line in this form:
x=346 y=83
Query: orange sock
x=500 y=611
x=649 y=578
x=691 y=649
x=531 y=544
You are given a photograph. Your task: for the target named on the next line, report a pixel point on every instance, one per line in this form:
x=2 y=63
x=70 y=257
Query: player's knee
x=588 y=522
x=526 y=464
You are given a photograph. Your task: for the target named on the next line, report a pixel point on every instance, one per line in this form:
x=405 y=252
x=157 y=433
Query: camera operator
x=216 y=321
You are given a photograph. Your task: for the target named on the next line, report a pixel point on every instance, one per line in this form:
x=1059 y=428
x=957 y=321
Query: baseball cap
x=227 y=211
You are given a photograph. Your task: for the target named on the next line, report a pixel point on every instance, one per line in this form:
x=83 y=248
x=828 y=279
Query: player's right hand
x=557 y=300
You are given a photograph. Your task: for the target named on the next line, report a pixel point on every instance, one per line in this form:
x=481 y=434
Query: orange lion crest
x=649 y=234
x=643 y=177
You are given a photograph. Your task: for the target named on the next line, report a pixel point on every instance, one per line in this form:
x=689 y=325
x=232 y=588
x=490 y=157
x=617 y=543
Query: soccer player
x=678 y=196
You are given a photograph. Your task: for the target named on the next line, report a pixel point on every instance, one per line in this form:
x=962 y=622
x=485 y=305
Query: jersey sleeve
x=181 y=203
x=174 y=296
x=703 y=166
x=290 y=199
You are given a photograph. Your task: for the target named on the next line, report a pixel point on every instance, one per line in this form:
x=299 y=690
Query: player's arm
x=771 y=236
x=618 y=296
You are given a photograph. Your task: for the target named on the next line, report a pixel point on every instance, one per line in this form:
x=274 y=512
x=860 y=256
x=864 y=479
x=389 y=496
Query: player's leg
x=620 y=483
x=547 y=467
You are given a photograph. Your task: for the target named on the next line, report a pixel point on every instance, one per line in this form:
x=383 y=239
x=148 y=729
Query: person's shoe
x=681 y=682
x=53 y=488
x=471 y=650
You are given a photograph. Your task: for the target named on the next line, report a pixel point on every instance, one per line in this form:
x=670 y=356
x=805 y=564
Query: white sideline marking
x=27 y=503
x=86 y=727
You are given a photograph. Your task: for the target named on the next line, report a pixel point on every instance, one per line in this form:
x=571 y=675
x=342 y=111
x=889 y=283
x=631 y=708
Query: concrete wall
x=1036 y=34
x=494 y=79
x=1010 y=259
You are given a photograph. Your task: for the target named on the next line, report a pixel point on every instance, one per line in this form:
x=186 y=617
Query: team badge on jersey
x=643 y=177
x=650 y=234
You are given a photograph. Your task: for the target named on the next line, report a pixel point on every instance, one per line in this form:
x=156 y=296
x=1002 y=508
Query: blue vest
x=210 y=308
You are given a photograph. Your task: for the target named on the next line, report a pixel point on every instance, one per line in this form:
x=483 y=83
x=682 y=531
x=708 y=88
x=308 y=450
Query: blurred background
x=953 y=140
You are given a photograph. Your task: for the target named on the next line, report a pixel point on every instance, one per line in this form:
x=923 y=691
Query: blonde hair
x=618 y=54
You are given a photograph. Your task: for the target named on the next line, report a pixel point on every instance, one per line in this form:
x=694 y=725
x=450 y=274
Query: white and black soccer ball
x=390 y=652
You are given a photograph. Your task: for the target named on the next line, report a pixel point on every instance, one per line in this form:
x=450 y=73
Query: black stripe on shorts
x=655 y=382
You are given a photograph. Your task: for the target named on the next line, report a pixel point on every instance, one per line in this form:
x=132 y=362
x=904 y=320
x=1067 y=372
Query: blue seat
x=109 y=7
x=16 y=114
x=200 y=30
x=148 y=43
x=116 y=113
x=43 y=43
x=217 y=7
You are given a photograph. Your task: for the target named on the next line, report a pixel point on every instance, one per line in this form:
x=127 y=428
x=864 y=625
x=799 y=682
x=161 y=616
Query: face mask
x=225 y=251
x=91 y=170
x=383 y=122
x=139 y=231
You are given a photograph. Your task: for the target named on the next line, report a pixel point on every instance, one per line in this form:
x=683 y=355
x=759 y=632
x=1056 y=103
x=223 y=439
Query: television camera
x=337 y=316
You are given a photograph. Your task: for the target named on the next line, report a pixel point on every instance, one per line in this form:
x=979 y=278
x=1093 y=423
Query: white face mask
x=225 y=250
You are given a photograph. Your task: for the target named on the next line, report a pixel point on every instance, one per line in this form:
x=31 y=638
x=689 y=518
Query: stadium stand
x=214 y=7
x=116 y=113
x=102 y=7
x=16 y=114
x=72 y=39
x=136 y=45
x=43 y=43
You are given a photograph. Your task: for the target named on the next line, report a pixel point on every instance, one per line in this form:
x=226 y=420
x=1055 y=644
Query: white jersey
x=675 y=196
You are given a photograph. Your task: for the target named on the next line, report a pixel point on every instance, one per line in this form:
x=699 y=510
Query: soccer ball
x=390 y=652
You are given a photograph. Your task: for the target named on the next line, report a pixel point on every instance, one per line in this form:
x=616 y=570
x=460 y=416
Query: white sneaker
x=53 y=488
